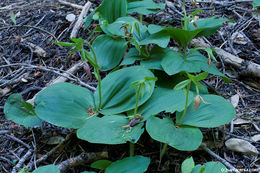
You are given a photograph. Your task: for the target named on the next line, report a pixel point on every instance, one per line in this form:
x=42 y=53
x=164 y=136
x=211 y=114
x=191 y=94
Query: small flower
x=198 y=100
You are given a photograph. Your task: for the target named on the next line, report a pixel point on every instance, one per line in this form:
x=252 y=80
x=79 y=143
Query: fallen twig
x=21 y=161
x=18 y=140
x=65 y=74
x=227 y=164
x=79 y=22
x=29 y=26
x=247 y=67
x=71 y=4
x=81 y=159
x=45 y=156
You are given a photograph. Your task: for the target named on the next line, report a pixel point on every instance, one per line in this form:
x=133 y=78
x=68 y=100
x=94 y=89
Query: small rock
x=234 y=100
x=256 y=138
x=70 y=17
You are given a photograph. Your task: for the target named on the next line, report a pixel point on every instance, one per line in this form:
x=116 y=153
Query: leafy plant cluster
x=163 y=94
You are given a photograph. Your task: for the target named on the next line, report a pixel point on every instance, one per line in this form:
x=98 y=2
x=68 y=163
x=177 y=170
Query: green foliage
x=21 y=112
x=109 y=51
x=182 y=138
x=101 y=164
x=144 y=7
x=256 y=3
x=47 y=168
x=109 y=130
x=110 y=10
x=100 y=117
x=117 y=96
x=215 y=112
x=130 y=165
x=188 y=166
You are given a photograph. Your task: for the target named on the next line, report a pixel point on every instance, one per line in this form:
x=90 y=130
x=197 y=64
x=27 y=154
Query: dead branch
x=79 y=22
x=81 y=159
x=21 y=161
x=227 y=164
x=71 y=4
x=247 y=67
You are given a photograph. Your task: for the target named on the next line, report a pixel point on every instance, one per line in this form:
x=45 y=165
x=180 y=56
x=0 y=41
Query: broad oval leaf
x=181 y=36
x=21 y=112
x=109 y=51
x=110 y=10
x=187 y=165
x=101 y=164
x=131 y=57
x=163 y=99
x=47 y=168
x=210 y=167
x=136 y=164
x=155 y=59
x=173 y=62
x=216 y=112
x=109 y=130
x=117 y=96
x=117 y=28
x=208 y=26
x=182 y=138
x=162 y=39
x=65 y=105
x=144 y=7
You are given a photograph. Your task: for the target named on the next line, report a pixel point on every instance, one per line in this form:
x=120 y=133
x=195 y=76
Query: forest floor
x=27 y=71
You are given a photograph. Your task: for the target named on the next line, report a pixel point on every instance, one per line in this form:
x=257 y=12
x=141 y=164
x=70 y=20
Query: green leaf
x=117 y=96
x=181 y=36
x=136 y=164
x=182 y=84
x=210 y=167
x=163 y=99
x=208 y=26
x=117 y=28
x=89 y=19
x=131 y=57
x=162 y=39
x=13 y=18
x=182 y=138
x=67 y=44
x=21 y=112
x=144 y=7
x=47 y=168
x=216 y=112
x=256 y=3
x=109 y=130
x=187 y=165
x=156 y=55
x=101 y=164
x=110 y=10
x=109 y=51
x=64 y=104
x=173 y=62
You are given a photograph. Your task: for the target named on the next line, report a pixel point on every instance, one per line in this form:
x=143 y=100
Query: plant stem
x=99 y=87
x=97 y=72
x=141 y=18
x=132 y=149
x=185 y=15
x=197 y=90
x=186 y=104
x=163 y=151
x=136 y=101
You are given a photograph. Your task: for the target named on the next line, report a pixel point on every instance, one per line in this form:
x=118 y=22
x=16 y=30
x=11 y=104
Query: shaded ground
x=49 y=19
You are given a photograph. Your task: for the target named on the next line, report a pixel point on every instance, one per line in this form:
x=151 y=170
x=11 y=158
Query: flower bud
x=197 y=100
